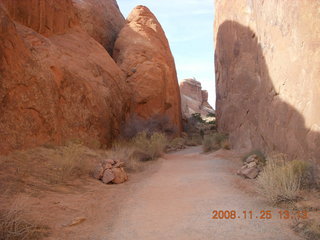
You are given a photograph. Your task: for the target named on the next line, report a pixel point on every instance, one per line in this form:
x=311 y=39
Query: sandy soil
x=173 y=199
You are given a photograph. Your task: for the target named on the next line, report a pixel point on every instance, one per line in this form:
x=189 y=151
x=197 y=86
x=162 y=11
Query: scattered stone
x=251 y=167
x=120 y=175
x=108 y=176
x=252 y=158
x=110 y=171
x=98 y=172
x=118 y=164
x=108 y=161
x=249 y=172
x=75 y=221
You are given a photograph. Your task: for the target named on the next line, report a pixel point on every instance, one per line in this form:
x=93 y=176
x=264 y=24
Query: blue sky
x=189 y=28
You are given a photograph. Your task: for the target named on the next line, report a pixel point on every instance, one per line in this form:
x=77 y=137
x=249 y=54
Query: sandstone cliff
x=58 y=81
x=194 y=99
x=267 y=71
x=142 y=51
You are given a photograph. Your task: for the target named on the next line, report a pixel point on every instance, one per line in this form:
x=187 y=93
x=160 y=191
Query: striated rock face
x=46 y=17
x=194 y=99
x=267 y=73
x=143 y=53
x=56 y=81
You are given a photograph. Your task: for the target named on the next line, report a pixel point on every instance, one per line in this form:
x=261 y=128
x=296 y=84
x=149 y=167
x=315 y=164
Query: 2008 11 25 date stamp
x=262 y=215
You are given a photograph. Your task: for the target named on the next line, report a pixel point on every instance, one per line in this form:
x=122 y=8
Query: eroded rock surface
x=142 y=51
x=101 y=19
x=267 y=73
x=57 y=82
x=194 y=99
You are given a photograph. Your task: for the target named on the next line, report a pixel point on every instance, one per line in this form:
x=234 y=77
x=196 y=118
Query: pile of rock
x=251 y=167
x=110 y=171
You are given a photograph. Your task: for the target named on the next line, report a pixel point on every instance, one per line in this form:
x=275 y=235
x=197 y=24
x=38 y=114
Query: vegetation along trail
x=177 y=200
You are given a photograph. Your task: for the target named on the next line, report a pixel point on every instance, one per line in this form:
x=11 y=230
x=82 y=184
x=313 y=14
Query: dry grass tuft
x=177 y=143
x=215 y=141
x=125 y=152
x=153 y=145
x=71 y=163
x=194 y=140
x=281 y=180
x=14 y=225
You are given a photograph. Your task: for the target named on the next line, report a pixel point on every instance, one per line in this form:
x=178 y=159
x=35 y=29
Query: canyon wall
x=194 y=99
x=142 y=51
x=267 y=60
x=57 y=79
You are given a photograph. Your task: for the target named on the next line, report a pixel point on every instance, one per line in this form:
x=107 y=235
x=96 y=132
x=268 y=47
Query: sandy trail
x=176 y=202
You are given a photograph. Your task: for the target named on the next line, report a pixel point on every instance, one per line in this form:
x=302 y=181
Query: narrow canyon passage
x=176 y=202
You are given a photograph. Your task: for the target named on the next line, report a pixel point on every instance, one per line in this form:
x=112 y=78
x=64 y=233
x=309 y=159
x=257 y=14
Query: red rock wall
x=267 y=72
x=57 y=87
x=58 y=81
x=43 y=16
x=101 y=19
x=142 y=51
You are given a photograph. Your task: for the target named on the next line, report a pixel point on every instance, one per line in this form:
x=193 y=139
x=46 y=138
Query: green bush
x=197 y=117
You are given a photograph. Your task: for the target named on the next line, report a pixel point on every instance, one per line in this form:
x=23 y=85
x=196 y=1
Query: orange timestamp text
x=262 y=215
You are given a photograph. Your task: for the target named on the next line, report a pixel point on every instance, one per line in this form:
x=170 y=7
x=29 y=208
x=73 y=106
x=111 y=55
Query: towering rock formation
x=56 y=82
x=194 y=99
x=142 y=51
x=267 y=70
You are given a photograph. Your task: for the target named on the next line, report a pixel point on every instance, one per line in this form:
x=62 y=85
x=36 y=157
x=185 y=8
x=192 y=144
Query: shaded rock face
x=267 y=73
x=143 y=53
x=194 y=99
x=56 y=81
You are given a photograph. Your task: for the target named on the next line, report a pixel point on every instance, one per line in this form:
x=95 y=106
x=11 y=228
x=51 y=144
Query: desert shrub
x=153 y=145
x=124 y=151
x=281 y=180
x=70 y=162
x=312 y=230
x=215 y=141
x=177 y=142
x=14 y=225
x=194 y=140
x=261 y=157
x=211 y=115
x=157 y=123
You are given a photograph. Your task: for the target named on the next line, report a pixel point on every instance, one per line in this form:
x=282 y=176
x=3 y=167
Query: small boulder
x=251 y=164
x=252 y=158
x=249 y=172
x=108 y=161
x=98 y=172
x=108 y=176
x=120 y=175
x=118 y=164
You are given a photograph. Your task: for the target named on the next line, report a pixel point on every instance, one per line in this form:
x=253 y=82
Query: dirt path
x=176 y=202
